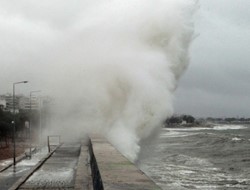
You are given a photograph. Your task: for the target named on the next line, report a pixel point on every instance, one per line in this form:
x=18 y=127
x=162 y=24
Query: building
x=8 y=99
x=21 y=103
x=2 y=104
x=26 y=104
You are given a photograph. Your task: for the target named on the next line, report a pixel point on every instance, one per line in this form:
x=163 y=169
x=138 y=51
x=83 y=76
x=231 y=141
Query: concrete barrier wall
x=112 y=171
x=95 y=173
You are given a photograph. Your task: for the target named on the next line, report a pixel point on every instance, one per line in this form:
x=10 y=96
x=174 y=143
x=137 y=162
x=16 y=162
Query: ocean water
x=200 y=158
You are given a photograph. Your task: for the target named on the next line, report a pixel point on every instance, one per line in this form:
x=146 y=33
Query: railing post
x=48 y=143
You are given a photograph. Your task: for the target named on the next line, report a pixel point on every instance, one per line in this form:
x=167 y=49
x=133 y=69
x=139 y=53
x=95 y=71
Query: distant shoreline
x=203 y=125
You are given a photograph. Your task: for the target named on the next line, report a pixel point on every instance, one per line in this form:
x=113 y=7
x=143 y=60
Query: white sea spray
x=112 y=65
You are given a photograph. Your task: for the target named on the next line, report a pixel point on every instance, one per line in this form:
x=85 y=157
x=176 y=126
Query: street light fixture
x=14 y=121
x=35 y=91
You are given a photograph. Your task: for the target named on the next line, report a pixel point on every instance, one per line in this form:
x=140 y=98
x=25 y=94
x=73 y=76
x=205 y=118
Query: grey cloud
x=217 y=81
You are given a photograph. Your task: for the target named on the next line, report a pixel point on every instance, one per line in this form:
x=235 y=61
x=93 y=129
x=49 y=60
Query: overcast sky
x=215 y=84
x=217 y=80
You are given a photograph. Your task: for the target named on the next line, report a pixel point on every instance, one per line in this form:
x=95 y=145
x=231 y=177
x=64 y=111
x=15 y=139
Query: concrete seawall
x=110 y=170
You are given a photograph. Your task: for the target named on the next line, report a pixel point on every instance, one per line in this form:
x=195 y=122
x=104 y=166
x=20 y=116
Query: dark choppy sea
x=201 y=158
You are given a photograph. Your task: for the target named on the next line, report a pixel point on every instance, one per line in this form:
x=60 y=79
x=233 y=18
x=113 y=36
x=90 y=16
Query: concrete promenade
x=91 y=165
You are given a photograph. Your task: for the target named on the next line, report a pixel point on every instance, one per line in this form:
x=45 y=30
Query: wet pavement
x=65 y=167
x=68 y=167
x=58 y=171
x=9 y=176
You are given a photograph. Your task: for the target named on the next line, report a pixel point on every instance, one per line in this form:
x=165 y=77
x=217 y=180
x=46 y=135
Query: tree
x=5 y=132
x=188 y=118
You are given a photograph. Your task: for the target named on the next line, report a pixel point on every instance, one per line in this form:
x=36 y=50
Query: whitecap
x=236 y=139
x=229 y=127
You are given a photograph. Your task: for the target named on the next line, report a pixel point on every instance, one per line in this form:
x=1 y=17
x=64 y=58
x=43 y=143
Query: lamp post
x=14 y=122
x=40 y=119
x=35 y=91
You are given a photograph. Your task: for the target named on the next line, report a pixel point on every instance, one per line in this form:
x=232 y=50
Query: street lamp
x=35 y=91
x=14 y=121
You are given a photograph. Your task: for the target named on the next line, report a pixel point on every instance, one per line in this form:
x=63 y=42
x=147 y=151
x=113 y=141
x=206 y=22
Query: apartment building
x=21 y=103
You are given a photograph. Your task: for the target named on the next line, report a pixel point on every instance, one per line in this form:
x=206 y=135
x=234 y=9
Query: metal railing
x=53 y=141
